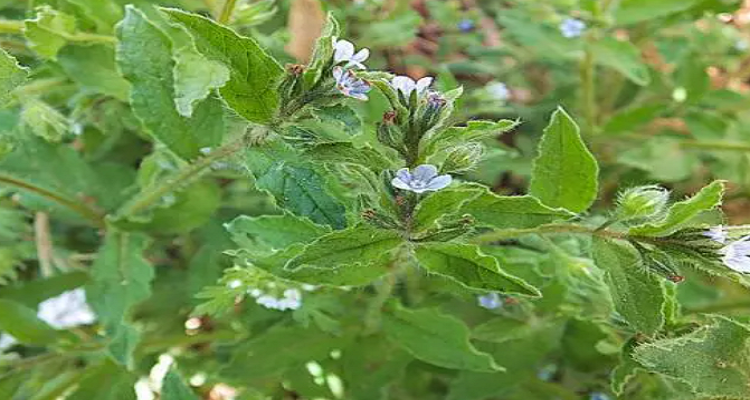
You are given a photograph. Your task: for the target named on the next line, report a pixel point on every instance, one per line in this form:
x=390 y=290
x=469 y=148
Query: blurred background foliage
x=660 y=88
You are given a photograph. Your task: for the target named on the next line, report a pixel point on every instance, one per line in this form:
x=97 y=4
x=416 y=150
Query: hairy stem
x=79 y=207
x=589 y=89
x=187 y=175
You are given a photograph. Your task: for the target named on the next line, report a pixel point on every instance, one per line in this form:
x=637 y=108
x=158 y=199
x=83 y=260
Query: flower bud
x=641 y=202
x=433 y=110
x=388 y=133
x=379 y=219
x=463 y=158
x=292 y=84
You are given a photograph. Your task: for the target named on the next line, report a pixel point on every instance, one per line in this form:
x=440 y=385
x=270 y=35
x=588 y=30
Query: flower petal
x=361 y=56
x=425 y=172
x=404 y=84
x=404 y=175
x=338 y=73
x=344 y=50
x=423 y=84
x=398 y=183
x=440 y=182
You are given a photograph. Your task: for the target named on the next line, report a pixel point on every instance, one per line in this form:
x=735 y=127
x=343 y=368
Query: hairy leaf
x=436 y=338
x=445 y=202
x=93 y=67
x=251 y=89
x=565 y=173
x=149 y=69
x=637 y=295
x=465 y=264
x=12 y=75
x=503 y=212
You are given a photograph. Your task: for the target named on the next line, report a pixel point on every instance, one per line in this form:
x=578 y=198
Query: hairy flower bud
x=291 y=85
x=463 y=158
x=641 y=202
x=388 y=133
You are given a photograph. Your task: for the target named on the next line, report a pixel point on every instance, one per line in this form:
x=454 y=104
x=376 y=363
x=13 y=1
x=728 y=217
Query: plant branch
x=81 y=208
x=11 y=26
x=588 y=69
x=187 y=175
x=547 y=229
x=225 y=13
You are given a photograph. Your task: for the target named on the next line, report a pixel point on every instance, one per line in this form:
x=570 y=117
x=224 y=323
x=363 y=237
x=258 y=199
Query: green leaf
x=121 y=278
x=93 y=67
x=465 y=264
x=274 y=231
x=150 y=70
x=44 y=121
x=174 y=388
x=251 y=89
x=565 y=173
x=436 y=338
x=302 y=190
x=47 y=33
x=12 y=75
x=360 y=245
x=346 y=152
x=630 y=119
x=623 y=57
x=22 y=323
x=637 y=295
x=439 y=204
x=31 y=293
x=370 y=366
x=713 y=360
x=103 y=13
x=634 y=11
x=473 y=131
x=280 y=348
x=505 y=212
x=682 y=213
x=626 y=370
x=105 y=381
x=195 y=78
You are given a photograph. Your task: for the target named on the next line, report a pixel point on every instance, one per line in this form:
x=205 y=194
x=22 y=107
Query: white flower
x=572 y=27
x=66 y=310
x=424 y=178
x=6 y=341
x=344 y=52
x=717 y=234
x=499 y=91
x=406 y=85
x=490 y=301
x=348 y=84
x=291 y=300
x=234 y=284
x=736 y=255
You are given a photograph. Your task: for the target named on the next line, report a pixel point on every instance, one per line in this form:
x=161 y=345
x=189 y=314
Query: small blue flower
x=344 y=52
x=490 y=301
x=599 y=396
x=466 y=25
x=348 y=84
x=572 y=27
x=717 y=234
x=423 y=178
x=736 y=255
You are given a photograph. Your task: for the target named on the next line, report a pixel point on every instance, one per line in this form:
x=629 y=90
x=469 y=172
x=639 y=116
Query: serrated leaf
x=713 y=360
x=465 y=264
x=346 y=152
x=22 y=323
x=275 y=231
x=472 y=132
x=565 y=173
x=505 y=212
x=121 y=278
x=682 y=213
x=175 y=388
x=626 y=370
x=150 y=71
x=637 y=295
x=623 y=57
x=47 y=32
x=445 y=202
x=360 y=245
x=12 y=75
x=195 y=77
x=93 y=67
x=436 y=338
x=251 y=89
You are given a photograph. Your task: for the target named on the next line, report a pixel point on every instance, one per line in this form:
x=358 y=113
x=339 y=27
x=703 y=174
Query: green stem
x=720 y=307
x=187 y=175
x=589 y=88
x=90 y=37
x=81 y=208
x=546 y=229
x=11 y=26
x=226 y=11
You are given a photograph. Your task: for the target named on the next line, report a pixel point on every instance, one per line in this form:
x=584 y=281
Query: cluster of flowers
x=268 y=297
x=735 y=254
x=65 y=311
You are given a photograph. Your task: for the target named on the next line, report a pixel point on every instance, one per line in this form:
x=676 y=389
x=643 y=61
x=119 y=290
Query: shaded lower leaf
x=436 y=338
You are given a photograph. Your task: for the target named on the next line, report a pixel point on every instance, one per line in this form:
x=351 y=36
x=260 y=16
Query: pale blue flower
x=344 y=52
x=499 y=91
x=717 y=234
x=572 y=27
x=490 y=301
x=423 y=178
x=466 y=25
x=66 y=310
x=736 y=255
x=348 y=84
x=406 y=85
